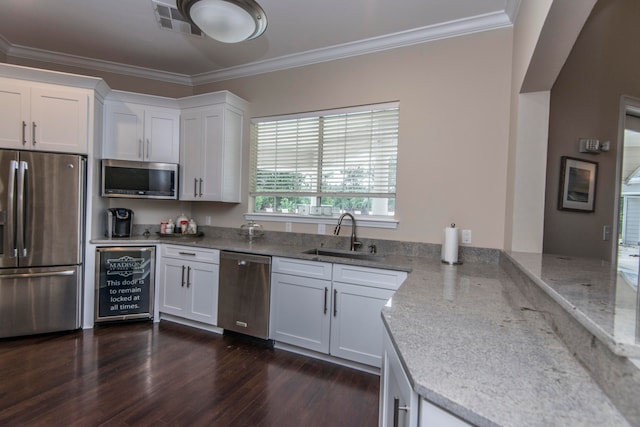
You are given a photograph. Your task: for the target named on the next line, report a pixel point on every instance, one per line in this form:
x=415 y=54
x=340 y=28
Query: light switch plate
x=466 y=236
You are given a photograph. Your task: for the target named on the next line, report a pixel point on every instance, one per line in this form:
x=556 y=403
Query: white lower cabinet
x=434 y=416
x=300 y=303
x=298 y=309
x=189 y=283
x=359 y=293
x=398 y=401
x=331 y=308
x=400 y=405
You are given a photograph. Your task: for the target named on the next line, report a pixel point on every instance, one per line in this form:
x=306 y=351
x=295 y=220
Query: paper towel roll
x=450 y=245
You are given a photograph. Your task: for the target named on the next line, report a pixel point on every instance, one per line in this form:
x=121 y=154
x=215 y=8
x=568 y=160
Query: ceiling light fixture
x=228 y=21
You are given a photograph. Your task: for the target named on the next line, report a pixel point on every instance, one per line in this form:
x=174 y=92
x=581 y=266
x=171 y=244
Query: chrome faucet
x=355 y=244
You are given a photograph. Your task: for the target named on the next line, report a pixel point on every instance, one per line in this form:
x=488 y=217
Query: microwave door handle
x=21 y=212
x=11 y=207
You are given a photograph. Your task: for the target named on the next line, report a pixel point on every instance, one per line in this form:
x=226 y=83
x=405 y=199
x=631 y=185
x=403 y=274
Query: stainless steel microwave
x=139 y=180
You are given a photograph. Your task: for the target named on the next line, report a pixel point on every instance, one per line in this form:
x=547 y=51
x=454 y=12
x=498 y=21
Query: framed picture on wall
x=577 y=185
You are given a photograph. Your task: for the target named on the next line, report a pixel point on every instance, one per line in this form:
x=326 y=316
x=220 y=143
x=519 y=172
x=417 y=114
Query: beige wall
x=454 y=122
x=544 y=34
x=521 y=223
x=585 y=100
x=454 y=125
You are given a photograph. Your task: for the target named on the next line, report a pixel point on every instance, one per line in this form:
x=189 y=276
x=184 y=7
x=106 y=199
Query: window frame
x=376 y=221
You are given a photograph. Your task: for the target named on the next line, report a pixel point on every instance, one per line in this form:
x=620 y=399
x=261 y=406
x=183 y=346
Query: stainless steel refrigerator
x=41 y=241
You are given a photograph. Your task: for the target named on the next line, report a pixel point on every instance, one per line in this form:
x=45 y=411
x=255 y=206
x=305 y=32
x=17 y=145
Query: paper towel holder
x=443 y=257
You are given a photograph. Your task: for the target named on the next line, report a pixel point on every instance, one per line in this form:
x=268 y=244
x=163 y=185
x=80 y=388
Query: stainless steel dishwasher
x=245 y=287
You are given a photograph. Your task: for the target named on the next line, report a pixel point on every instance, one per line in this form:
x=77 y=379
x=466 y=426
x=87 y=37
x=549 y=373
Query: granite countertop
x=468 y=339
x=472 y=345
x=592 y=291
x=261 y=247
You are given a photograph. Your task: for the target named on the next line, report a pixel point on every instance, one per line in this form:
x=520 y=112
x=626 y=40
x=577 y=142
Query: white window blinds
x=350 y=152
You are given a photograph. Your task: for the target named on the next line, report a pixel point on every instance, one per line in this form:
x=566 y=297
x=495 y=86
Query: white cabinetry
x=359 y=293
x=141 y=128
x=400 y=405
x=398 y=401
x=189 y=283
x=300 y=303
x=331 y=308
x=35 y=116
x=211 y=147
x=434 y=416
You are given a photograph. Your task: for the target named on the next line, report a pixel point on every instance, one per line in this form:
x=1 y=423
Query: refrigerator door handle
x=21 y=212
x=44 y=274
x=11 y=207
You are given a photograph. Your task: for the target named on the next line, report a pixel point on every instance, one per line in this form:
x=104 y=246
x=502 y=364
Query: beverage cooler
x=124 y=283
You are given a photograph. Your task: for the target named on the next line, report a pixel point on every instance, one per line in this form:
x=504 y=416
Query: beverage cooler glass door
x=124 y=283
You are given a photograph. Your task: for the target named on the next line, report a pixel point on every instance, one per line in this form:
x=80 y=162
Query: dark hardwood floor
x=146 y=374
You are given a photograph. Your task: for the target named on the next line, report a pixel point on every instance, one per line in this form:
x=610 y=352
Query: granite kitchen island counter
x=472 y=344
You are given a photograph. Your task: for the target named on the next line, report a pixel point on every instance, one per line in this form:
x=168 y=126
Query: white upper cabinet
x=44 y=117
x=211 y=147
x=146 y=132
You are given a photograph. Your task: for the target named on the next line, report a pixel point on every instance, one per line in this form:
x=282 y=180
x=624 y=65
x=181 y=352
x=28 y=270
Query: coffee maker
x=119 y=222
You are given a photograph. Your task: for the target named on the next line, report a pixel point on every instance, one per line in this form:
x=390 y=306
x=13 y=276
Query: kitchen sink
x=343 y=253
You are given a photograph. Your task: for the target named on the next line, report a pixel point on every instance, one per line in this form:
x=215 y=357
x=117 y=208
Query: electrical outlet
x=321 y=228
x=606 y=232
x=466 y=237
x=287 y=226
x=207 y=220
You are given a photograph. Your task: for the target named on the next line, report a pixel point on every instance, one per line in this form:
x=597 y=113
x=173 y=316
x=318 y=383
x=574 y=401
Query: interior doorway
x=626 y=246
x=628 y=221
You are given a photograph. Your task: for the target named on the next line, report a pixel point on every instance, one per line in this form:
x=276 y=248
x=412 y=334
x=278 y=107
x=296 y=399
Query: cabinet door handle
x=148 y=149
x=33 y=132
x=140 y=149
x=396 y=410
x=326 y=290
x=182 y=280
x=188 y=276
x=195 y=187
x=24 y=133
x=335 y=302
x=200 y=187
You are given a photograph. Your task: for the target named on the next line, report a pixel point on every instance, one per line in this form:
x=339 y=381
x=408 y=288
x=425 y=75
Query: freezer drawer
x=39 y=300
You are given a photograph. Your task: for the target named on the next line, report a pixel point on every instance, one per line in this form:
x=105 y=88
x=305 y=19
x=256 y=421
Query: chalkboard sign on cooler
x=124 y=283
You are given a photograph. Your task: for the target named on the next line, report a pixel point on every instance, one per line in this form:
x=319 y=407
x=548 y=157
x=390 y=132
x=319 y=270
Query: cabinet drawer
x=374 y=277
x=301 y=267
x=191 y=253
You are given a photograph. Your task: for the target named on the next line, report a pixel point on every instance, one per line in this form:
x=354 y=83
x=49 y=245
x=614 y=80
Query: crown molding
x=23 y=52
x=376 y=44
x=362 y=47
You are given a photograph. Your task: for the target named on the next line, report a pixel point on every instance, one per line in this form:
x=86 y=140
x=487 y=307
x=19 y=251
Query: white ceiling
x=123 y=35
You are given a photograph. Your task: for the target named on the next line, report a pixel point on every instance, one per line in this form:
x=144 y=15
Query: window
x=326 y=163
